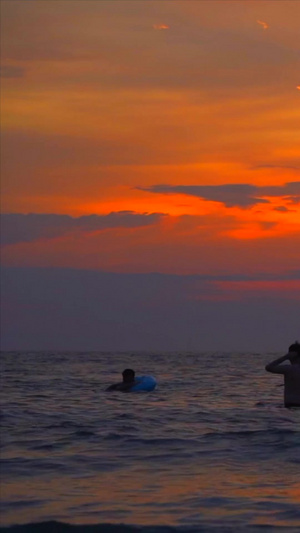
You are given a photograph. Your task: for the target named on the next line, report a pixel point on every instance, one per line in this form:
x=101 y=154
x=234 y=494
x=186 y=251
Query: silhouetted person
x=126 y=384
x=291 y=375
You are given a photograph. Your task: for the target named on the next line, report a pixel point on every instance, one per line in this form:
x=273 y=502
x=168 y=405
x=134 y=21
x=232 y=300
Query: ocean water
x=212 y=449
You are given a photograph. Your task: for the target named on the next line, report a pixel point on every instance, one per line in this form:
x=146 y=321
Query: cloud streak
x=17 y=227
x=241 y=195
x=12 y=71
x=271 y=166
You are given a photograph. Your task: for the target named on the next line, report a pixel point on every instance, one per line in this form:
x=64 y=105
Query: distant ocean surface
x=212 y=449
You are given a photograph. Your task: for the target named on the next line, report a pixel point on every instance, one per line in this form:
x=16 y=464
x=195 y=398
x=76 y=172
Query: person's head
x=128 y=375
x=295 y=349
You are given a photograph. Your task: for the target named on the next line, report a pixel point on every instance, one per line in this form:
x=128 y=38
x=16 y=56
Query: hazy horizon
x=77 y=310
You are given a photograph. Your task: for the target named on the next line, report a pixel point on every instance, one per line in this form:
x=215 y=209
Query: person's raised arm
x=275 y=367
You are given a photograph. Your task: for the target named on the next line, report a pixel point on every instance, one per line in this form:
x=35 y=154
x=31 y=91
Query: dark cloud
x=18 y=227
x=12 y=71
x=281 y=209
x=267 y=165
x=232 y=194
x=290 y=188
x=266 y=225
x=293 y=199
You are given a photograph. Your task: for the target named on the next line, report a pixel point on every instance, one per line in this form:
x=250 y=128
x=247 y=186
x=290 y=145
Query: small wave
x=64 y=424
x=113 y=436
x=43 y=447
x=249 y=433
x=164 y=441
x=84 y=433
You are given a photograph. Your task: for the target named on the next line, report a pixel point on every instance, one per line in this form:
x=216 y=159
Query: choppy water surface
x=211 y=449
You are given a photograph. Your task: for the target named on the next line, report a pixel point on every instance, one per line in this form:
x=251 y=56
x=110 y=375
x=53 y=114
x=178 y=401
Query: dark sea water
x=212 y=449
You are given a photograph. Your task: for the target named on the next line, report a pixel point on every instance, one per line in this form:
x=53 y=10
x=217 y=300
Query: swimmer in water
x=126 y=384
x=291 y=375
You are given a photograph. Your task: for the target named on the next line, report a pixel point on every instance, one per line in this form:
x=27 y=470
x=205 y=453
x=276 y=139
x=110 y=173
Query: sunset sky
x=151 y=170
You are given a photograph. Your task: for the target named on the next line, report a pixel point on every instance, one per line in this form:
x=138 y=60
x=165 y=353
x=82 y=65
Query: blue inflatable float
x=144 y=384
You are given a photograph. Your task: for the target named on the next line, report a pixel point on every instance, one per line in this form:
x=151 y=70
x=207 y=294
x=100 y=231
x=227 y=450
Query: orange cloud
x=263 y=24
x=161 y=27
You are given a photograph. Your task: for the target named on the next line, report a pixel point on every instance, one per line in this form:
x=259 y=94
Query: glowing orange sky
x=98 y=107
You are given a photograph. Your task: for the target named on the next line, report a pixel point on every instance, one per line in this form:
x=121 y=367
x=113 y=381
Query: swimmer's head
x=295 y=350
x=128 y=375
